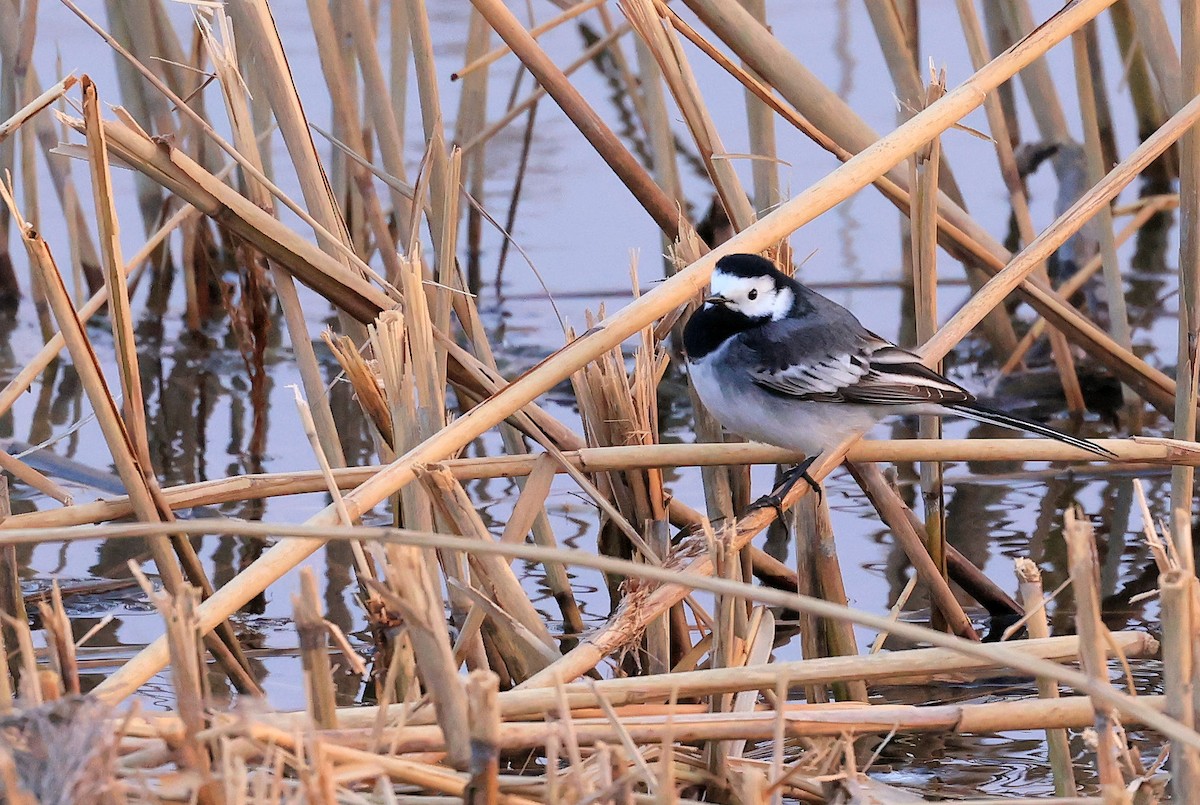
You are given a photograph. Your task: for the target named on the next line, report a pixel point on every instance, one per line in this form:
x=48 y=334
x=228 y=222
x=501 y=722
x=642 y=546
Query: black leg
x=796 y=473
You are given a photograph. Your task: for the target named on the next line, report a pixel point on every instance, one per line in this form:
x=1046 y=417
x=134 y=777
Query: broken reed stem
x=1178 y=589
x=314 y=652
x=1081 y=550
x=178 y=611
x=410 y=591
x=29 y=110
x=827 y=572
x=12 y=604
x=484 y=712
x=1029 y=581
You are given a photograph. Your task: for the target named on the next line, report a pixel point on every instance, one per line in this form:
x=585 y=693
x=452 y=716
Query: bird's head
x=751 y=286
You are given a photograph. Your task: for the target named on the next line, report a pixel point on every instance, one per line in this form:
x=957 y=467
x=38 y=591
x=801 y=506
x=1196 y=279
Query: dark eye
x=753 y=294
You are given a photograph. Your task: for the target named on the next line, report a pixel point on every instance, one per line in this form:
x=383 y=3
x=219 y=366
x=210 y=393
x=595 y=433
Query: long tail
x=978 y=412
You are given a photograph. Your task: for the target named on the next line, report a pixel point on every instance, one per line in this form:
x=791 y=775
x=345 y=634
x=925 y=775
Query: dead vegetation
x=479 y=695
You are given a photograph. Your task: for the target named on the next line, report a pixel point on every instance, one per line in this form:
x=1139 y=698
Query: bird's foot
x=796 y=473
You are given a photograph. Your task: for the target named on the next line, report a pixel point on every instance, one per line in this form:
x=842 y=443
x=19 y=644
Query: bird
x=776 y=362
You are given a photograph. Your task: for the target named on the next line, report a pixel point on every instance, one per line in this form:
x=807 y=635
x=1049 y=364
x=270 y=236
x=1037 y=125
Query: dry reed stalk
x=663 y=299
x=495 y=573
x=1114 y=284
x=760 y=639
x=366 y=389
x=361 y=565
x=314 y=652
x=145 y=105
x=484 y=786
x=1036 y=78
x=383 y=116
x=761 y=123
x=1154 y=37
x=724 y=645
x=1061 y=349
x=407 y=573
x=820 y=551
x=28 y=475
x=1144 y=450
x=926 y=165
x=522 y=106
x=29 y=689
x=397 y=344
x=335 y=48
x=891 y=511
x=30 y=109
x=59 y=641
x=129 y=461
x=901 y=55
x=178 y=611
x=472 y=117
x=223 y=54
x=1077 y=280
x=10 y=290
x=253 y=20
x=120 y=314
x=29 y=373
x=12 y=604
x=1133 y=708
x=443 y=191
x=1147 y=103
x=1178 y=589
x=1029 y=582
x=1081 y=549
x=661 y=208
x=496 y=54
x=799 y=721
x=1187 y=366
x=665 y=47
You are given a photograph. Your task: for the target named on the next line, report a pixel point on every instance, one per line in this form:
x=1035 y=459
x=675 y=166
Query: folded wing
x=876 y=373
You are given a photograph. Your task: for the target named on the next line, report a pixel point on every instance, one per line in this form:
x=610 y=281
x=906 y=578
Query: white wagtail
x=778 y=363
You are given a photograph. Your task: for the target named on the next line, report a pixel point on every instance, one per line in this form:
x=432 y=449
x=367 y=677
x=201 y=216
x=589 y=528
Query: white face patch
x=756 y=297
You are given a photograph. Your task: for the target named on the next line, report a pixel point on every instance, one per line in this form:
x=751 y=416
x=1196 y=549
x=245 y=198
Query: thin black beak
x=716 y=299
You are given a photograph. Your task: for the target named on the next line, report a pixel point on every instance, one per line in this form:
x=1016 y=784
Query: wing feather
x=877 y=373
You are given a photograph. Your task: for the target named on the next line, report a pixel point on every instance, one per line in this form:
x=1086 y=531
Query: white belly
x=749 y=411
